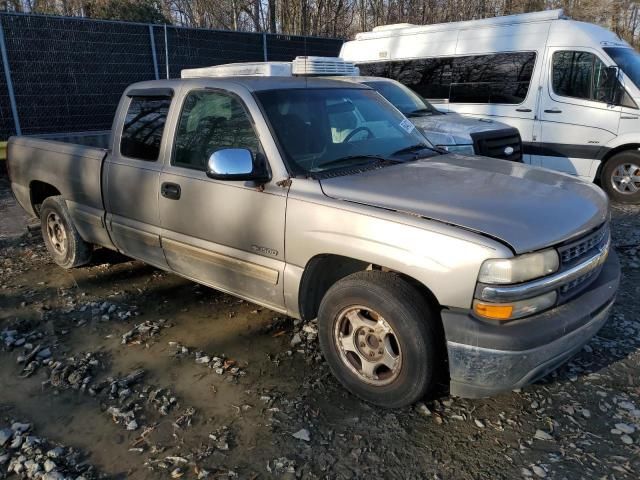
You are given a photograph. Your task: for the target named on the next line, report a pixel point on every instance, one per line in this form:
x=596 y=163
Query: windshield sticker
x=407 y=125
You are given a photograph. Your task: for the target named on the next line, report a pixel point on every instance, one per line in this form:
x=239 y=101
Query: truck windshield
x=404 y=99
x=628 y=60
x=321 y=129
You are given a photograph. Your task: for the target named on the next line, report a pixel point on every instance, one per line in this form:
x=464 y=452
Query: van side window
x=581 y=75
x=143 y=127
x=211 y=121
x=497 y=78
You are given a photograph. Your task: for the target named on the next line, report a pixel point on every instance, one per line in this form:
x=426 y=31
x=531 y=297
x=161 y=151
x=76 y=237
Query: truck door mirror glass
x=236 y=164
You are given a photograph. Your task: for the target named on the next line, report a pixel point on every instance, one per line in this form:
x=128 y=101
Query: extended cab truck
x=417 y=264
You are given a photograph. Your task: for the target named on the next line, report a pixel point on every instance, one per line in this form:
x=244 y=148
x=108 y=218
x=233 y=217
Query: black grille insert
x=505 y=144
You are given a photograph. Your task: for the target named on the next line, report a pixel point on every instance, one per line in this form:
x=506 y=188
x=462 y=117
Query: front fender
x=445 y=259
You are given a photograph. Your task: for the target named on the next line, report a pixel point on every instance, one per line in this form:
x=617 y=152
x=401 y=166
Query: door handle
x=629 y=117
x=526 y=110
x=553 y=111
x=170 y=190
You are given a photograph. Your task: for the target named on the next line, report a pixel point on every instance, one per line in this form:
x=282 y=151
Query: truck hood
x=454 y=129
x=528 y=208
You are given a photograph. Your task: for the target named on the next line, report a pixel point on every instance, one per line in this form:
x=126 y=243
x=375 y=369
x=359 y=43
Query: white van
x=571 y=88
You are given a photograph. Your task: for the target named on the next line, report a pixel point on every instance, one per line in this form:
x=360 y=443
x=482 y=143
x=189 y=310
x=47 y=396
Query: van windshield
x=404 y=99
x=628 y=60
x=322 y=129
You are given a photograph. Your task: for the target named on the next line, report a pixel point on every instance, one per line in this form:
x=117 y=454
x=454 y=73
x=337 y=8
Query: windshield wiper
x=420 y=112
x=414 y=148
x=348 y=158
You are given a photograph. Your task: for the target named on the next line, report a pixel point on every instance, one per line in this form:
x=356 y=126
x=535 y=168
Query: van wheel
x=621 y=177
x=376 y=334
x=61 y=238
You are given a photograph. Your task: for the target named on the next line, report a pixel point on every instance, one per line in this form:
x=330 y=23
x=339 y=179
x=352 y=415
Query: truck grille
x=505 y=144
x=583 y=246
x=578 y=251
x=565 y=289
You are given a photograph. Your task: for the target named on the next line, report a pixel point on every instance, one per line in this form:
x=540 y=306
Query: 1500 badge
x=264 y=250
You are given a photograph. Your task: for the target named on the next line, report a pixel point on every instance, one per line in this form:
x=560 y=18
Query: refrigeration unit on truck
x=572 y=89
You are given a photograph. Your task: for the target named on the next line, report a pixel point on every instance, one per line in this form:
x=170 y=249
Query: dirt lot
x=135 y=373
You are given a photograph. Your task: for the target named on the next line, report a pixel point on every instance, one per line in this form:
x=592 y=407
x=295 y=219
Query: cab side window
x=143 y=127
x=211 y=121
x=582 y=75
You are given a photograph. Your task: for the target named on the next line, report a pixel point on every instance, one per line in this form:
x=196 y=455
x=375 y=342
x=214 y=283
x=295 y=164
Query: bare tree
x=336 y=18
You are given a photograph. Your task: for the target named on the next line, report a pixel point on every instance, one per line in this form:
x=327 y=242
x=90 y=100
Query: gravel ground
x=118 y=370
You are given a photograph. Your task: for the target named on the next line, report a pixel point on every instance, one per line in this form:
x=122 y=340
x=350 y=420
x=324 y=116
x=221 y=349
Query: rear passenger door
x=225 y=234
x=576 y=122
x=131 y=180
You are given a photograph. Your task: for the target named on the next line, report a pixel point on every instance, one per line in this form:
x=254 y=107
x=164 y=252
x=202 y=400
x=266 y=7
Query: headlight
x=519 y=269
x=513 y=310
x=461 y=149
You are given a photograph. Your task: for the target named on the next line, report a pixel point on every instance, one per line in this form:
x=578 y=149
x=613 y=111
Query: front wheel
x=621 y=177
x=376 y=333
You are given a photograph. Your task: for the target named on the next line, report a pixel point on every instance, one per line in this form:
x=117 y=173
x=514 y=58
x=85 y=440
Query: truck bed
x=69 y=164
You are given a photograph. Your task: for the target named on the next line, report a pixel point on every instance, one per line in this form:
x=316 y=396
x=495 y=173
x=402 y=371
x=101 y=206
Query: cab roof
x=251 y=83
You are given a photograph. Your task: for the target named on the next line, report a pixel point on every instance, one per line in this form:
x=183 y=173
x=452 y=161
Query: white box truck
x=571 y=88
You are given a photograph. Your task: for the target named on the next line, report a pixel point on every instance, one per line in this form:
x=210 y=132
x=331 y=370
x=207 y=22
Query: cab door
x=225 y=234
x=575 y=119
x=132 y=175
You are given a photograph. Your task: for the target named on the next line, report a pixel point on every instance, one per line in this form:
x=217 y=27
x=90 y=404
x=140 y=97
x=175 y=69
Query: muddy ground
x=208 y=385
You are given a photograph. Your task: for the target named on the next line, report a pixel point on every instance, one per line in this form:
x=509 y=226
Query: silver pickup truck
x=317 y=199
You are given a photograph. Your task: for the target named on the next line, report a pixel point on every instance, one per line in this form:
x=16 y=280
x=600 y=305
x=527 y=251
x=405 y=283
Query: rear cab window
x=144 y=126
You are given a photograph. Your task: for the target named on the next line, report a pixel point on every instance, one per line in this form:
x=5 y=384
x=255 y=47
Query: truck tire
x=376 y=333
x=60 y=236
x=620 y=177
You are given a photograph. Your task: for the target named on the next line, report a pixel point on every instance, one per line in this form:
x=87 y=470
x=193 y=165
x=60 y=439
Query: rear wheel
x=376 y=334
x=621 y=177
x=61 y=238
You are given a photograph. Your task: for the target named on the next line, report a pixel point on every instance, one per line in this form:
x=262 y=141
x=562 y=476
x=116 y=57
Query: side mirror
x=237 y=164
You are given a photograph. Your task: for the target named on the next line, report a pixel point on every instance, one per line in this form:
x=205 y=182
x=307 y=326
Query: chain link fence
x=62 y=74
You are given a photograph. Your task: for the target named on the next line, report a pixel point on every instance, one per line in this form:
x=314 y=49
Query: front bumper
x=487 y=358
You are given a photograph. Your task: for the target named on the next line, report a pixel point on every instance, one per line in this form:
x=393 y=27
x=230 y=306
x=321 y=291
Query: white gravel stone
x=49 y=466
x=296 y=340
x=302 y=434
x=203 y=359
x=625 y=428
x=542 y=435
x=539 y=471
x=626 y=405
x=423 y=410
x=20 y=427
x=626 y=439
